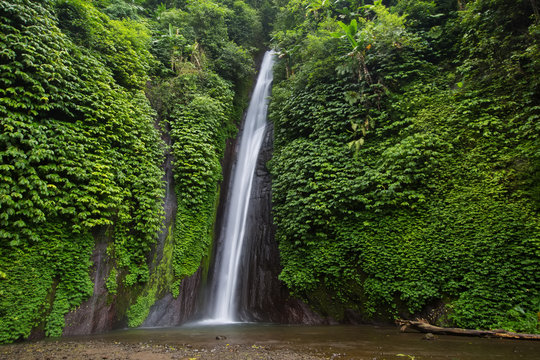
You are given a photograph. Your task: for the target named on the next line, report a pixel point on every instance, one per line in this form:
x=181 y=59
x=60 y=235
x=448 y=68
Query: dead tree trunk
x=423 y=326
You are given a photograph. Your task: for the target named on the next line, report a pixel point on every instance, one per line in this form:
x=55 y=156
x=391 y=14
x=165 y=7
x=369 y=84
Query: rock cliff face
x=103 y=311
x=167 y=310
x=170 y=311
x=190 y=304
x=262 y=296
x=96 y=314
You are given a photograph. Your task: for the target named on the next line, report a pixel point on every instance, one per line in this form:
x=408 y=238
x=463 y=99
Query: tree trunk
x=423 y=326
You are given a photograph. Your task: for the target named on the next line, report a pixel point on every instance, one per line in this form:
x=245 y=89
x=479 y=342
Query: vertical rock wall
x=170 y=311
x=190 y=304
x=262 y=296
x=97 y=314
x=167 y=310
x=103 y=311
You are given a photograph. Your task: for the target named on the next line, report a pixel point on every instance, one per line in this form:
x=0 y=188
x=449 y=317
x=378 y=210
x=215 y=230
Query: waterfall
x=224 y=292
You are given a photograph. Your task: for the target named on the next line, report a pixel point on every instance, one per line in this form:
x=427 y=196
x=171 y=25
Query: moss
x=112 y=281
x=138 y=312
x=158 y=284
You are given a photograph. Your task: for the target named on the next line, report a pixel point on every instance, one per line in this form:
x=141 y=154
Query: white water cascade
x=223 y=306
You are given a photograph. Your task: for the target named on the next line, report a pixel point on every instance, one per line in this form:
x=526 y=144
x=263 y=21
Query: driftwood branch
x=425 y=327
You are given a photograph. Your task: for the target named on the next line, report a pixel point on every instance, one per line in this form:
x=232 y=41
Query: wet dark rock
x=102 y=311
x=95 y=314
x=170 y=311
x=167 y=310
x=262 y=296
x=352 y=317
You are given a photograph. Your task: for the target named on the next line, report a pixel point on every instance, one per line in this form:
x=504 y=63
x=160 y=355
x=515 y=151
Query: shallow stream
x=340 y=341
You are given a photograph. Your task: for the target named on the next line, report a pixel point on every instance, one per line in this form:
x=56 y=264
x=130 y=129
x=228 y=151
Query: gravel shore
x=99 y=350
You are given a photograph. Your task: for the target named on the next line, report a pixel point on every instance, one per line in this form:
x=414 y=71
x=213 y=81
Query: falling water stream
x=223 y=305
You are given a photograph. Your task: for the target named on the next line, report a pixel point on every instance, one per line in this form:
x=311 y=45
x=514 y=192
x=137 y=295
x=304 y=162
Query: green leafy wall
x=87 y=89
x=406 y=160
x=78 y=153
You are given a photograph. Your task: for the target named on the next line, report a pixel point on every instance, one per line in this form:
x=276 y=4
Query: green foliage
x=112 y=282
x=208 y=34
x=200 y=122
x=139 y=311
x=79 y=154
x=243 y=24
x=202 y=21
x=435 y=200
x=121 y=44
x=121 y=9
x=234 y=64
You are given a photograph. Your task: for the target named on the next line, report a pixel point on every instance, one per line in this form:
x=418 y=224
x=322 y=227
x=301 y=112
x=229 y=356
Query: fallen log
x=425 y=327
